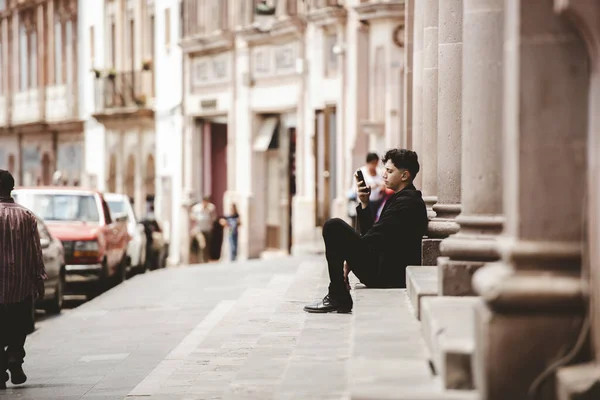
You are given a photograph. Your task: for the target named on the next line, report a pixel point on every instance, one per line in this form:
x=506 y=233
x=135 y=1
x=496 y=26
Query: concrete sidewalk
x=230 y=331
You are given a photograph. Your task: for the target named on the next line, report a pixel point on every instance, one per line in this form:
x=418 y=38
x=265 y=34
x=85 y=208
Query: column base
x=578 y=382
x=429 y=202
x=430 y=251
x=513 y=349
x=455 y=277
x=444 y=224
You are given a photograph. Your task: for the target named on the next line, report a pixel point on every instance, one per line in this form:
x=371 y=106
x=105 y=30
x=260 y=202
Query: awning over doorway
x=265 y=134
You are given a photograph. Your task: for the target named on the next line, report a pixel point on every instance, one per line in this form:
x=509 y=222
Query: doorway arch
x=112 y=174
x=46 y=170
x=130 y=177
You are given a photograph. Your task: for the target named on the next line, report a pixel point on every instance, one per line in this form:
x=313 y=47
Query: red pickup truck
x=94 y=241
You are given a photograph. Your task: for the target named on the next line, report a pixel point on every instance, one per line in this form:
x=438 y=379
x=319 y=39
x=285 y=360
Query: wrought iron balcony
x=124 y=90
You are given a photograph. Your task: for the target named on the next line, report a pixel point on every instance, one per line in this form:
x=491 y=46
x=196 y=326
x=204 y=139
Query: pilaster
x=430 y=103
x=417 y=86
x=449 y=119
x=584 y=15
x=481 y=219
x=537 y=287
x=408 y=37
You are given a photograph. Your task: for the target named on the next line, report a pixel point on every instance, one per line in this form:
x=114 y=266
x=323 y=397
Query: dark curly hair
x=372 y=157
x=7 y=183
x=404 y=159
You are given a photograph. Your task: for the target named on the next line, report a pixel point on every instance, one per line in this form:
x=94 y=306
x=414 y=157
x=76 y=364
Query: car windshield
x=61 y=207
x=116 y=207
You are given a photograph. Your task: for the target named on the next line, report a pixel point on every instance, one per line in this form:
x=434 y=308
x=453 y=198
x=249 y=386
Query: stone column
x=417 y=87
x=536 y=291
x=187 y=198
x=50 y=62
x=40 y=29
x=74 y=104
x=430 y=102
x=449 y=119
x=585 y=16
x=481 y=199
x=409 y=22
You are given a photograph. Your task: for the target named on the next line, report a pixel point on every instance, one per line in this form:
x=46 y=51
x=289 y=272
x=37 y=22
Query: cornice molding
x=331 y=15
x=282 y=28
x=381 y=9
x=217 y=42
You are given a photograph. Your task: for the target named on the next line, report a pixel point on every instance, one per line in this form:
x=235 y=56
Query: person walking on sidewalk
x=22 y=276
x=232 y=222
x=205 y=215
x=379 y=255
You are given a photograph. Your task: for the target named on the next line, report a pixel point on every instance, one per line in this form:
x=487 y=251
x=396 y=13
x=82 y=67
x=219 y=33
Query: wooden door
x=325 y=161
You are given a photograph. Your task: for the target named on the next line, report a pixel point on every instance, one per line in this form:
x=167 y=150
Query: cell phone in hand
x=361 y=178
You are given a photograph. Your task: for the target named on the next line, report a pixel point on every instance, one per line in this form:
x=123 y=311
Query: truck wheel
x=55 y=305
x=101 y=285
x=121 y=273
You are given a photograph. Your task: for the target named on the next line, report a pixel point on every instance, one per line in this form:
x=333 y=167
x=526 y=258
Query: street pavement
x=229 y=331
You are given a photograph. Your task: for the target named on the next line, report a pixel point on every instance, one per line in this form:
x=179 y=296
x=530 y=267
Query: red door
x=218 y=167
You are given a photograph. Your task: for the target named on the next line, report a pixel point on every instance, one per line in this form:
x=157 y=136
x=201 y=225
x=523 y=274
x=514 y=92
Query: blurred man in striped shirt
x=22 y=275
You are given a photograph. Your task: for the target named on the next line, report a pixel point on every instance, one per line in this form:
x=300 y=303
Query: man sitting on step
x=380 y=254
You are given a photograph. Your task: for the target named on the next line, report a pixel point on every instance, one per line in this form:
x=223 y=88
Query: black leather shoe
x=17 y=376
x=329 y=304
x=3 y=380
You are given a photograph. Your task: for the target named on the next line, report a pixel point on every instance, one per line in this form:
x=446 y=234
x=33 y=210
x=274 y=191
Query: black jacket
x=395 y=240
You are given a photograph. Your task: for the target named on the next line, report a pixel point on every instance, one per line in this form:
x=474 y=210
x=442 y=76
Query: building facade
x=169 y=122
x=41 y=129
x=276 y=110
x=120 y=89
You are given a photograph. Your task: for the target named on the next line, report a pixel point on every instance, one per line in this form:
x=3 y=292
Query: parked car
x=54 y=261
x=136 y=249
x=95 y=243
x=157 y=245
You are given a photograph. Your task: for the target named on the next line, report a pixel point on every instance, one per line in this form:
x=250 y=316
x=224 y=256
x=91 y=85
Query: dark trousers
x=342 y=243
x=16 y=321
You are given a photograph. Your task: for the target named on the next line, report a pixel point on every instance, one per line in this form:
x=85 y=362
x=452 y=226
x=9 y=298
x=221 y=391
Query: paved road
x=105 y=348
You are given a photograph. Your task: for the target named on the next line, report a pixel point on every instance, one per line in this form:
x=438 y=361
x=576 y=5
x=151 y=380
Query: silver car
x=120 y=204
x=54 y=261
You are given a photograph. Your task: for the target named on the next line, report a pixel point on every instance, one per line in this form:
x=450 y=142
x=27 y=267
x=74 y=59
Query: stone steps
x=448 y=325
x=421 y=281
x=389 y=359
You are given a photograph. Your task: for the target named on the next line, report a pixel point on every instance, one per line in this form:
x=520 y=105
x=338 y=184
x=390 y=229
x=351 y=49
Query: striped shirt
x=21 y=261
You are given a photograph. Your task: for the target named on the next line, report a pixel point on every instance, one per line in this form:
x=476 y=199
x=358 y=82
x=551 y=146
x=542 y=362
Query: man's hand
x=363 y=192
x=40 y=289
x=346 y=272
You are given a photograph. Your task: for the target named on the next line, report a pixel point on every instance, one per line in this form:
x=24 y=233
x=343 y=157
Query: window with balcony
x=33 y=59
x=112 y=43
x=92 y=46
x=379 y=85
x=69 y=53
x=130 y=49
x=244 y=13
x=167 y=28
x=58 y=59
x=330 y=56
x=23 y=59
x=292 y=7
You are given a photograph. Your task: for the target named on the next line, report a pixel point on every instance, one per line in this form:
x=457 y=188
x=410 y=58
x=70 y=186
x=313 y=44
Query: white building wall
x=168 y=72
x=91 y=14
